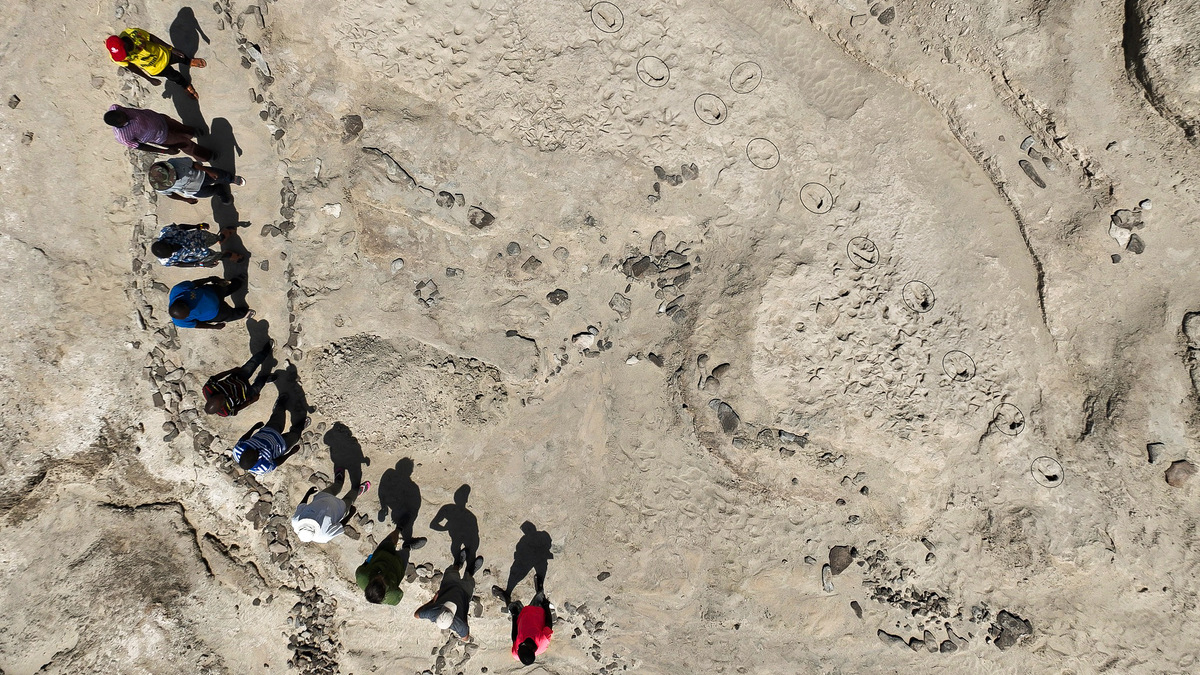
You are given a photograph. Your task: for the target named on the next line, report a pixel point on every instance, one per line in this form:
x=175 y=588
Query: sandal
x=198 y=63
x=362 y=489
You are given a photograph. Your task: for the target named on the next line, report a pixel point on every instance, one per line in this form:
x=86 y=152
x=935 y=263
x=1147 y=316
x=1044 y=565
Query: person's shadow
x=288 y=383
x=532 y=554
x=222 y=140
x=185 y=36
x=260 y=335
x=400 y=496
x=346 y=452
x=457 y=520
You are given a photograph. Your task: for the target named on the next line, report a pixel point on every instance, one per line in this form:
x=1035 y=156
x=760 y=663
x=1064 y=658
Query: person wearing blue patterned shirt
x=189 y=246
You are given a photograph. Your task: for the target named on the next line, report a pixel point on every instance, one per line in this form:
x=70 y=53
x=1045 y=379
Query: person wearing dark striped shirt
x=232 y=391
x=155 y=132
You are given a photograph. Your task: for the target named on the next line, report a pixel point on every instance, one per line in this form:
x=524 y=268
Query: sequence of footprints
x=957 y=364
x=709 y=108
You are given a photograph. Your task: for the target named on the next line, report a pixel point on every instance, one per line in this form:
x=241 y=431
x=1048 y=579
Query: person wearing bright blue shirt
x=201 y=303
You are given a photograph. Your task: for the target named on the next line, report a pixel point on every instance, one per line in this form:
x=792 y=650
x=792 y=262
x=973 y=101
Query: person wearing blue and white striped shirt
x=266 y=445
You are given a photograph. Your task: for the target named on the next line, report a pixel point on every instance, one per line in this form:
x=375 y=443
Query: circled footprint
x=816 y=198
x=1047 y=472
x=863 y=253
x=918 y=296
x=762 y=153
x=711 y=109
x=745 y=78
x=607 y=17
x=1009 y=419
x=653 y=71
x=958 y=365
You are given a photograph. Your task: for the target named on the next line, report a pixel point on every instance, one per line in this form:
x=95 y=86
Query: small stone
x=1144 y=205
x=1136 y=244
x=1119 y=234
x=513 y=248
x=556 y=296
x=583 y=340
x=948 y=647
x=541 y=241
x=561 y=254
x=602 y=576
x=727 y=417
x=839 y=559
x=889 y=639
x=858 y=20
x=621 y=305
x=1180 y=471
x=531 y=265
x=1154 y=451
x=930 y=641
x=352 y=125
x=97 y=82
x=887 y=16
x=1027 y=143
x=27 y=138
x=14 y=101
x=857 y=608
x=264 y=265
x=826 y=578
x=1116 y=258
x=397 y=265
x=1008 y=629
x=479 y=218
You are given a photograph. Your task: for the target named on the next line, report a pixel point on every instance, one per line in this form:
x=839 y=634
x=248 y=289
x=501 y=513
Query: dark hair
x=164 y=249
x=214 y=403
x=376 y=590
x=127 y=42
x=249 y=459
x=180 y=309
x=116 y=118
x=527 y=651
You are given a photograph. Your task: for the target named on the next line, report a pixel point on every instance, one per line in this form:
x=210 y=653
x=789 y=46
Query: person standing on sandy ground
x=147 y=55
x=262 y=449
x=532 y=625
x=381 y=573
x=325 y=518
x=201 y=303
x=190 y=246
x=155 y=132
x=189 y=181
x=228 y=393
x=449 y=606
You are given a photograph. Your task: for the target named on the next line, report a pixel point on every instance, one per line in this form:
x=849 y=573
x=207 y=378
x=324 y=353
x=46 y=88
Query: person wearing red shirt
x=532 y=624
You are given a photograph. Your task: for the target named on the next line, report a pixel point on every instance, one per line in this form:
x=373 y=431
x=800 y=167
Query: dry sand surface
x=810 y=336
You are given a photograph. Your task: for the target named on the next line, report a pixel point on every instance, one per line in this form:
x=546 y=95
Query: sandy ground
x=808 y=336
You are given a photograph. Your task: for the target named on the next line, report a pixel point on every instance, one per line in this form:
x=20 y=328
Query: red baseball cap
x=116 y=48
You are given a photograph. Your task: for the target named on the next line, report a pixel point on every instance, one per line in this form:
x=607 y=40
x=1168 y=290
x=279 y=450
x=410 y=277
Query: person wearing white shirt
x=325 y=517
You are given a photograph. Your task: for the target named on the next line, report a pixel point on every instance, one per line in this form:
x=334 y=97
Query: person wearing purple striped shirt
x=150 y=131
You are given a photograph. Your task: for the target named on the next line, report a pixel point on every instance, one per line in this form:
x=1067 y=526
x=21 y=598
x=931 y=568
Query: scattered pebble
x=556 y=296
x=1154 y=451
x=1145 y=205
x=840 y=558
x=1009 y=629
x=513 y=248
x=14 y=101
x=1179 y=472
x=602 y=576
x=397 y=265
x=826 y=578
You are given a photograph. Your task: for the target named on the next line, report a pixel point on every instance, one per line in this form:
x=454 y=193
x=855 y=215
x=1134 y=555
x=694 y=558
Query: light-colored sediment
x=755 y=388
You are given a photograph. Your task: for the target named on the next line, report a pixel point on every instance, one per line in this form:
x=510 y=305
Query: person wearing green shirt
x=381 y=573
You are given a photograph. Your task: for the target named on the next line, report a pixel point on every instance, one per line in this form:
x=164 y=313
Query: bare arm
x=141 y=73
x=181 y=198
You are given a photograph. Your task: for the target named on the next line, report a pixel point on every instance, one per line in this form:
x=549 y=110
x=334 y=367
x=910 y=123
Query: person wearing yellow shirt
x=147 y=55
